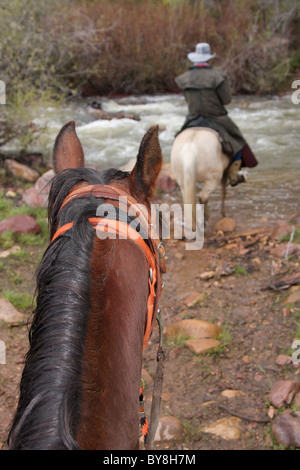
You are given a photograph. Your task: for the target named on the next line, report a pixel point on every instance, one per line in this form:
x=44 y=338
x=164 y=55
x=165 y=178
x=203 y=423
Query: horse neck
x=112 y=359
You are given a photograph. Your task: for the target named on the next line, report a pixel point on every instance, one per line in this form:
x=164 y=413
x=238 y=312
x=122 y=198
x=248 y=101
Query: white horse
x=197 y=156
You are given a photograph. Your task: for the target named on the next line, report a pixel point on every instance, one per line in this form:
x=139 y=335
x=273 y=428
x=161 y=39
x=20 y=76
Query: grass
x=297 y=333
x=16 y=278
x=8 y=207
x=8 y=239
x=288 y=236
x=17 y=270
x=296 y=314
x=174 y=342
x=192 y=431
x=239 y=269
x=20 y=300
x=225 y=338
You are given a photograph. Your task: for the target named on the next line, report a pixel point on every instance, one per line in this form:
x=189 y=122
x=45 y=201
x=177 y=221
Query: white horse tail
x=188 y=155
x=189 y=160
x=197 y=156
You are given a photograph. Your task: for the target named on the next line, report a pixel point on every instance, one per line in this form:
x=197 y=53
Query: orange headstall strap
x=124 y=231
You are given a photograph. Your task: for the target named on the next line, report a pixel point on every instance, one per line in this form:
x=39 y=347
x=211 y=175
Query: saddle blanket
x=248 y=159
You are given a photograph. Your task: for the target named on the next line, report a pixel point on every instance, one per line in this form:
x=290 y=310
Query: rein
x=152 y=253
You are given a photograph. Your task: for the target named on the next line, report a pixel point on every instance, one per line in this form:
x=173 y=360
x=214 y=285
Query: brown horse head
x=80 y=384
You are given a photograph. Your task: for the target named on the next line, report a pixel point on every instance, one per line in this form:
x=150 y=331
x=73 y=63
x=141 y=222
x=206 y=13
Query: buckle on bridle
x=161 y=243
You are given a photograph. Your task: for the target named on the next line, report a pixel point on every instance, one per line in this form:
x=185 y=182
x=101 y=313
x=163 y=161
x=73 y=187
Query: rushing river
x=271 y=127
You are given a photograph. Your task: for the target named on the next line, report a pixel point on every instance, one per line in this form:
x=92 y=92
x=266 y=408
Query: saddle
x=248 y=159
x=201 y=121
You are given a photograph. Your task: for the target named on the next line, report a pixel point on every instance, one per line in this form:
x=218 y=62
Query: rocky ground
x=238 y=388
x=231 y=313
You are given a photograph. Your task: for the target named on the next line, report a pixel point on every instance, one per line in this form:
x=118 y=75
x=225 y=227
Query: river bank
x=270 y=125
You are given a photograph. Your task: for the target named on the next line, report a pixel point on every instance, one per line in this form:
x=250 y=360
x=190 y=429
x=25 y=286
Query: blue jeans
x=238 y=156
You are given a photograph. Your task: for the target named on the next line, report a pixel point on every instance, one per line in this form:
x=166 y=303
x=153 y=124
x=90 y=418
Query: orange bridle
x=123 y=230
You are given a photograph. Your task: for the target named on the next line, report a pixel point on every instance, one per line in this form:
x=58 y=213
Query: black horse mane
x=47 y=412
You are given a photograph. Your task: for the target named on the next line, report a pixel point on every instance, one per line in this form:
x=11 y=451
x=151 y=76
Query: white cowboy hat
x=202 y=53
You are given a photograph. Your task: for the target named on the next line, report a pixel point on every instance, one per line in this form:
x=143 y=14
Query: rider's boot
x=235 y=176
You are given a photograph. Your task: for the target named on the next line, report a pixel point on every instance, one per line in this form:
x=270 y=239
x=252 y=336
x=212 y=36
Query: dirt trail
x=257 y=326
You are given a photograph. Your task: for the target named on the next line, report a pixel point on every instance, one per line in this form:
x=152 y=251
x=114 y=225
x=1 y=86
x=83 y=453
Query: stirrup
x=241 y=178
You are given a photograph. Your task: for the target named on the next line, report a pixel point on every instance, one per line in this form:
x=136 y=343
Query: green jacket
x=206 y=91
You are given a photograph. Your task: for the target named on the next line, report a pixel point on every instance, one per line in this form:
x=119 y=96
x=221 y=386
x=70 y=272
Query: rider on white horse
x=206 y=91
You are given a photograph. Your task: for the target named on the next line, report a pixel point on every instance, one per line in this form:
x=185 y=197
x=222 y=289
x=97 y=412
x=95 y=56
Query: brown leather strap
x=99 y=191
x=157 y=391
x=123 y=230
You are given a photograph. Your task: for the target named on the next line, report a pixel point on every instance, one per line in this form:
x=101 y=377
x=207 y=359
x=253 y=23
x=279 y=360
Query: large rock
x=20 y=171
x=201 y=346
x=10 y=251
x=286 y=429
x=169 y=429
x=229 y=393
x=227 y=224
x=280 y=230
x=283 y=360
x=37 y=196
x=206 y=275
x=194 y=329
x=193 y=299
x=294 y=297
x=21 y=223
x=283 y=392
x=285 y=249
x=165 y=183
x=9 y=313
x=226 y=428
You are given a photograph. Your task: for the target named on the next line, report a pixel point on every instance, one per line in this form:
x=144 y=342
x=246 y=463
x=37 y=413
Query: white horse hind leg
x=208 y=187
x=223 y=186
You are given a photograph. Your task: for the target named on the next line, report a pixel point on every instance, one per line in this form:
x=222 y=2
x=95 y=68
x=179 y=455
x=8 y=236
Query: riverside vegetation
x=51 y=51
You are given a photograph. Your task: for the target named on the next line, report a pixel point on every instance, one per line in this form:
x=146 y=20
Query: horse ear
x=149 y=160
x=67 y=152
